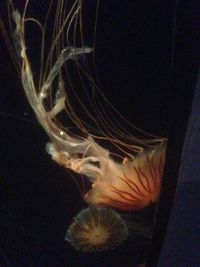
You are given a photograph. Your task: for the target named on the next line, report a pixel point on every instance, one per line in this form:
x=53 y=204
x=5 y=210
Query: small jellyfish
x=96 y=230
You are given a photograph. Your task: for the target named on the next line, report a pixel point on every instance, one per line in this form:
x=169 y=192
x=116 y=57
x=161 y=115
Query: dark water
x=134 y=56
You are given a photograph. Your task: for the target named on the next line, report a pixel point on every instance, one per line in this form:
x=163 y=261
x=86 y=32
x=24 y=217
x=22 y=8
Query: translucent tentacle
x=65 y=149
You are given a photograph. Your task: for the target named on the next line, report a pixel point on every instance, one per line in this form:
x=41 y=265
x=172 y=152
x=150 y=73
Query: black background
x=146 y=71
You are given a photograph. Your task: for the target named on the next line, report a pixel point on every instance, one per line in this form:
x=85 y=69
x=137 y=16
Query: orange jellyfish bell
x=132 y=185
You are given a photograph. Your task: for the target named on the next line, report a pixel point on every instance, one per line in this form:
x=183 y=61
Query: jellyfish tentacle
x=66 y=54
x=64 y=142
x=64 y=147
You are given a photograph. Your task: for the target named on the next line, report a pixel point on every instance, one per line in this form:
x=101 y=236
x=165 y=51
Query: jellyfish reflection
x=130 y=182
x=97 y=229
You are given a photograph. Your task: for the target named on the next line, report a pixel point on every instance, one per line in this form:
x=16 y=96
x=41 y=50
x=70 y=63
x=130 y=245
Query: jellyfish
x=124 y=167
x=96 y=230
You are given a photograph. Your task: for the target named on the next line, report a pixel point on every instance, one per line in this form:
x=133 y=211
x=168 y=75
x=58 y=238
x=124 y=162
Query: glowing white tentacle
x=64 y=148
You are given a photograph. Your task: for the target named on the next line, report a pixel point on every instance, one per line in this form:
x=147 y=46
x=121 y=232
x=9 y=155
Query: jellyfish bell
x=96 y=230
x=131 y=185
x=130 y=182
